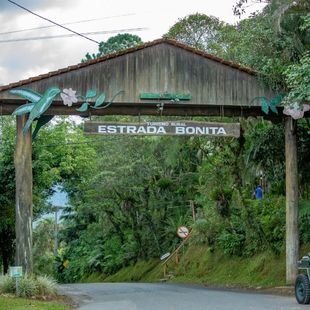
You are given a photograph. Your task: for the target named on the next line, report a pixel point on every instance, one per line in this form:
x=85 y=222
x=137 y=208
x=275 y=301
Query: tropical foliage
x=275 y=42
x=52 y=164
x=115 y=44
x=127 y=196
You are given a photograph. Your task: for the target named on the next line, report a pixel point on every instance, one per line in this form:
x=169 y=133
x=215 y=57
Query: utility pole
x=56 y=232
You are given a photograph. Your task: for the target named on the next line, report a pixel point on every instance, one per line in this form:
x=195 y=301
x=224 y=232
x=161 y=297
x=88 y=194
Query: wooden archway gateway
x=163 y=75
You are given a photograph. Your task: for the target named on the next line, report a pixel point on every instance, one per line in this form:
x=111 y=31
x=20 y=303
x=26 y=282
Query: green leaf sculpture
x=83 y=107
x=91 y=94
x=109 y=103
x=99 y=100
x=274 y=102
x=98 y=103
x=269 y=104
x=265 y=105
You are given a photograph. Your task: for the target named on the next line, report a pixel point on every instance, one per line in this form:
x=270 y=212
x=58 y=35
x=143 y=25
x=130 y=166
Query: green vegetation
x=11 y=303
x=202 y=266
x=29 y=286
x=51 y=162
x=141 y=271
x=40 y=287
x=127 y=196
x=114 y=44
x=275 y=42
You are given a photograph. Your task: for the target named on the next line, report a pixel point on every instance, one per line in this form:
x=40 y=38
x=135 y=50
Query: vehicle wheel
x=302 y=289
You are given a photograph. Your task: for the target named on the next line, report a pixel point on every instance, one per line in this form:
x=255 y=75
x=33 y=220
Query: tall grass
x=29 y=286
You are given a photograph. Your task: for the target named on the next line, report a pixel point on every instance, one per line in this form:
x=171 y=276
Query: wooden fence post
x=23 y=176
x=292 y=237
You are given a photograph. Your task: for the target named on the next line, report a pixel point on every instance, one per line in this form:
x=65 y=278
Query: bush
x=46 y=286
x=270 y=214
x=231 y=243
x=28 y=286
x=304 y=221
x=7 y=285
x=200 y=232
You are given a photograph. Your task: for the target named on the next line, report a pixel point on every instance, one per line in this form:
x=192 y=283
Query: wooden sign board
x=180 y=128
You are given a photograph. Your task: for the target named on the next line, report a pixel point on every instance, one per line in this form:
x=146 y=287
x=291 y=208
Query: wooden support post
x=193 y=210
x=23 y=176
x=292 y=237
x=177 y=258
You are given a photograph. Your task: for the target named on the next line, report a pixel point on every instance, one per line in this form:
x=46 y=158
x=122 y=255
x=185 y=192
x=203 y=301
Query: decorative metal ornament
x=295 y=110
x=39 y=104
x=269 y=104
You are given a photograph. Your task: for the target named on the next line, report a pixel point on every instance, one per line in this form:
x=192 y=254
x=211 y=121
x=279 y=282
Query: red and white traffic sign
x=182 y=232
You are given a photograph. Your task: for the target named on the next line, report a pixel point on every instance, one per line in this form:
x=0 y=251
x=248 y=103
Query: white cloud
x=20 y=60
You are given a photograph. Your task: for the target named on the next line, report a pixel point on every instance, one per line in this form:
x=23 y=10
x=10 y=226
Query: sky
x=150 y=19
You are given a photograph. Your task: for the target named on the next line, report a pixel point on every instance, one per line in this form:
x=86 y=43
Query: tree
x=298 y=81
x=129 y=209
x=43 y=246
x=242 y=5
x=7 y=189
x=201 y=31
x=54 y=162
x=275 y=42
x=115 y=44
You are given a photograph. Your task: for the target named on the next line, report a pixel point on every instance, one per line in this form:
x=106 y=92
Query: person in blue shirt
x=258 y=193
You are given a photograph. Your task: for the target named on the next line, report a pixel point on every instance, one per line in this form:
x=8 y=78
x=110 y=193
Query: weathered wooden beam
x=169 y=109
x=23 y=175
x=292 y=236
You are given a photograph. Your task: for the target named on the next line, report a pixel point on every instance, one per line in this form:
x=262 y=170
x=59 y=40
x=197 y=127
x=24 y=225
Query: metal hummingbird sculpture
x=39 y=104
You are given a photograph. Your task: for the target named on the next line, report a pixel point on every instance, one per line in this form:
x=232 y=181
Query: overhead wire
x=68 y=23
x=49 y=20
x=70 y=35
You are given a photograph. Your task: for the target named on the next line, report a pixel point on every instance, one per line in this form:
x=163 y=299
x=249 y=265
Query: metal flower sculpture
x=68 y=96
x=295 y=110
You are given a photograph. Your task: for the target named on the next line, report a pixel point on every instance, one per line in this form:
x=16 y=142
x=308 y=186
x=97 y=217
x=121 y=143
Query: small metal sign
x=165 y=96
x=16 y=271
x=181 y=128
x=164 y=256
x=182 y=232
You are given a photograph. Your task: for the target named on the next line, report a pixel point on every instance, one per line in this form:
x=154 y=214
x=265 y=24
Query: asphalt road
x=161 y=296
